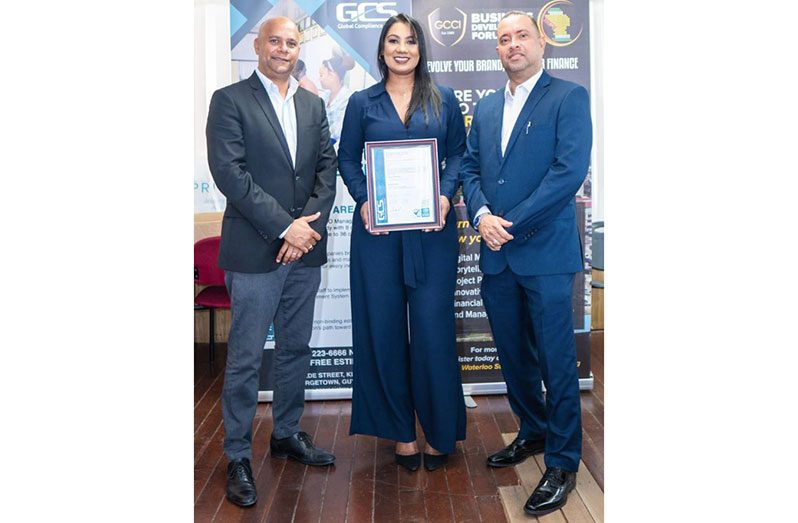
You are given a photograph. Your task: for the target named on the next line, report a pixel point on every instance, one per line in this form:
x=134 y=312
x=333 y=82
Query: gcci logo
x=365 y=11
x=447 y=26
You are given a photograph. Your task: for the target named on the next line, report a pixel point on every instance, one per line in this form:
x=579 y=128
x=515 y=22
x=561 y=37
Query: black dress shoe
x=516 y=452
x=409 y=461
x=300 y=447
x=240 y=485
x=551 y=493
x=435 y=461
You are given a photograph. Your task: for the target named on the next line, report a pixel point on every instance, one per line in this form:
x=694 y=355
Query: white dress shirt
x=284 y=107
x=513 y=103
x=286 y=113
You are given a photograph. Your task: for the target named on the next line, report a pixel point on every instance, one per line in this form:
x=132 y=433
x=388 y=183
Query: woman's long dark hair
x=425 y=93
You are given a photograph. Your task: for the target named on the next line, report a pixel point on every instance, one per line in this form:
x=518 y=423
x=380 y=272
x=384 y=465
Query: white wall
x=211 y=71
x=597 y=102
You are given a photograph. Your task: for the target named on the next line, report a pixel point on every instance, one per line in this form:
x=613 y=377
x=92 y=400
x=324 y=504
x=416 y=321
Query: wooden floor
x=365 y=484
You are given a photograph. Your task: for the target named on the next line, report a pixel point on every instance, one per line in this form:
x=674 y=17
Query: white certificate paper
x=403 y=184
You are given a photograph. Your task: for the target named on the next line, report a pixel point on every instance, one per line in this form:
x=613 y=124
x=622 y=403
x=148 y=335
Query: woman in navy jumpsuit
x=403 y=282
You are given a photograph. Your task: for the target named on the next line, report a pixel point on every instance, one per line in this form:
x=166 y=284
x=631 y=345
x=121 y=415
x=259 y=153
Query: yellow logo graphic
x=554 y=23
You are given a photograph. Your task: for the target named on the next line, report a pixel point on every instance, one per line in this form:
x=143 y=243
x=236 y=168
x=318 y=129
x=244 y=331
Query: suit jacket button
x=501 y=181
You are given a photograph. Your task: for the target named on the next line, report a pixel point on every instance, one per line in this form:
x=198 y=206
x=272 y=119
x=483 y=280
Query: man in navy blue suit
x=527 y=154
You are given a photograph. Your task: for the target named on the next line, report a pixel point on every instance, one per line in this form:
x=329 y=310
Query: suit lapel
x=496 y=131
x=302 y=119
x=540 y=89
x=262 y=97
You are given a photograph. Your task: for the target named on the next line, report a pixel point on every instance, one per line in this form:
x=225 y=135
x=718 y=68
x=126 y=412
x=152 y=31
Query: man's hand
x=364 y=215
x=444 y=208
x=300 y=235
x=288 y=253
x=493 y=231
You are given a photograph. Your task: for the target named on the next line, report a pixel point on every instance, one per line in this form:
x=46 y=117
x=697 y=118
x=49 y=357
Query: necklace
x=404 y=95
x=401 y=100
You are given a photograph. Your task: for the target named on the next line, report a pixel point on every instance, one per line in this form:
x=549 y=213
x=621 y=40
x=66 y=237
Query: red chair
x=206 y=272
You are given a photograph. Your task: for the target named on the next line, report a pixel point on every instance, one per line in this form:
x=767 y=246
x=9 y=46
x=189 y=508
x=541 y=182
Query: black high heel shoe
x=409 y=461
x=435 y=461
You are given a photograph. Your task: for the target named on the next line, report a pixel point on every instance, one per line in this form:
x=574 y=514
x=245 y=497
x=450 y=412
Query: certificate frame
x=422 y=189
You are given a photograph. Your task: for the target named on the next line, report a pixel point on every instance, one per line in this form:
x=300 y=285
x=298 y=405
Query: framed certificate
x=403 y=185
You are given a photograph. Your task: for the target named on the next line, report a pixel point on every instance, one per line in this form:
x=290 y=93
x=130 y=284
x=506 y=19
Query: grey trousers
x=285 y=297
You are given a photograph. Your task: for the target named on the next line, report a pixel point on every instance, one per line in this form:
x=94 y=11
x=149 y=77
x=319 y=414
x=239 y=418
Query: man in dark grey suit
x=269 y=153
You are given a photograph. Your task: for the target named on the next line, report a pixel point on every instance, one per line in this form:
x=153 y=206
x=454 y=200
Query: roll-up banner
x=461 y=43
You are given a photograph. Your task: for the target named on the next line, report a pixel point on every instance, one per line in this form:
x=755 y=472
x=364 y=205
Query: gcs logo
x=365 y=11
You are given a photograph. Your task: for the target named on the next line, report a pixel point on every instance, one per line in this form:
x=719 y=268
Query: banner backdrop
x=461 y=41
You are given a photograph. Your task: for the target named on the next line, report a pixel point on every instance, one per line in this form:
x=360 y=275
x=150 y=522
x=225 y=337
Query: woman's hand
x=445 y=206
x=364 y=215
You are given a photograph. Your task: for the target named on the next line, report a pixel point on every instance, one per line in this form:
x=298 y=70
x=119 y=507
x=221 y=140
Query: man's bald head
x=277 y=47
x=277 y=20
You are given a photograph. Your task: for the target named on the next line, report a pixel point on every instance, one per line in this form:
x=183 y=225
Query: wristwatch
x=479 y=218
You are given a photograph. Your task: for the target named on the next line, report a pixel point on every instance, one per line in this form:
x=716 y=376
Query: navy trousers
x=403 y=330
x=532 y=323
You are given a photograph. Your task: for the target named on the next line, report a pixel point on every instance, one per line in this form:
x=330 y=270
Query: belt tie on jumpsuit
x=413 y=258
